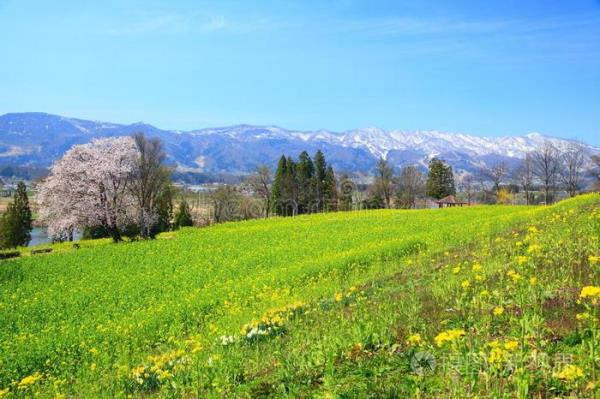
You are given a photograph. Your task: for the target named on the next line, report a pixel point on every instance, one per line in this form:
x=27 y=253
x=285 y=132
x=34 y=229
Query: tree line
x=121 y=187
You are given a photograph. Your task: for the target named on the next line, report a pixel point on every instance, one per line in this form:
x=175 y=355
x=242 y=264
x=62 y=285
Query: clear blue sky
x=480 y=67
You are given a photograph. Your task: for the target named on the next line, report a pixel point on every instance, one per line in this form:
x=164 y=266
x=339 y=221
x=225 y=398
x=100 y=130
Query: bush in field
x=183 y=216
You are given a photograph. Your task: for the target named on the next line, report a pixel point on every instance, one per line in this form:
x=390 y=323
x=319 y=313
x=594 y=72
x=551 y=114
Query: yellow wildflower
x=448 y=336
x=570 y=373
x=533 y=281
x=339 y=296
x=484 y=293
x=456 y=270
x=590 y=292
x=511 y=345
x=29 y=380
x=414 y=339
x=534 y=248
x=593 y=259
x=497 y=356
x=513 y=275
x=477 y=267
x=498 y=310
x=465 y=284
x=4 y=392
x=521 y=260
x=583 y=316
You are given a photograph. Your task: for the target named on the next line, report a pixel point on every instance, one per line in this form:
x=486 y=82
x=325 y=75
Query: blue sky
x=479 y=67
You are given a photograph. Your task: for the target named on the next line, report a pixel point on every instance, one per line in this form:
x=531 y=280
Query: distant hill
x=37 y=139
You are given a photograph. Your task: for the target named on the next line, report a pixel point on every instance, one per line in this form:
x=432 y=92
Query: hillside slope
x=332 y=304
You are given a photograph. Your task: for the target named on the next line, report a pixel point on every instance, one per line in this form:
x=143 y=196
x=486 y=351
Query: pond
x=39 y=235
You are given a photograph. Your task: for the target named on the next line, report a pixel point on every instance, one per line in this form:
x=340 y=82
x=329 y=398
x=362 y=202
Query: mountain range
x=37 y=139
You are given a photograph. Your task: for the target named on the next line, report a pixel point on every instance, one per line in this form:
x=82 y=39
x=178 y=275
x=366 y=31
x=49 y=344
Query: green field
x=351 y=304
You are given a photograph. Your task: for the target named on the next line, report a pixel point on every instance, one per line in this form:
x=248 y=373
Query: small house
x=449 y=201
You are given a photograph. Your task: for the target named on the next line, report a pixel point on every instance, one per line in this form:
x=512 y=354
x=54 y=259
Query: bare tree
x=546 y=167
x=467 y=185
x=411 y=183
x=150 y=179
x=524 y=176
x=496 y=173
x=573 y=159
x=260 y=183
x=226 y=202
x=384 y=181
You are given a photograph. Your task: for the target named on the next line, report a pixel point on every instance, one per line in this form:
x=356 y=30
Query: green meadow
x=483 y=301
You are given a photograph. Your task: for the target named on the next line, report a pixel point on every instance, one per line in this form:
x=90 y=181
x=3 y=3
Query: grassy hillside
x=464 y=302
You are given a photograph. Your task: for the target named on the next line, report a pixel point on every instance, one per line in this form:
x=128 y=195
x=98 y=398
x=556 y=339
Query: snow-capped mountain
x=37 y=139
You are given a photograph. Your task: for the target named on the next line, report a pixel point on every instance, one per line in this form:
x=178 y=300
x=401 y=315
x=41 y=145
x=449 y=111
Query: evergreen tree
x=440 y=180
x=277 y=189
x=285 y=188
x=183 y=216
x=319 y=180
x=16 y=222
x=330 y=196
x=305 y=171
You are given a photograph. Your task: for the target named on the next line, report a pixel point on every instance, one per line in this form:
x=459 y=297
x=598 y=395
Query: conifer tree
x=16 y=222
x=319 y=179
x=183 y=216
x=440 y=180
x=305 y=171
x=277 y=188
x=330 y=190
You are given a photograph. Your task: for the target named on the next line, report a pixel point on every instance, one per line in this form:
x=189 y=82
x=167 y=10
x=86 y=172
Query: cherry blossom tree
x=89 y=187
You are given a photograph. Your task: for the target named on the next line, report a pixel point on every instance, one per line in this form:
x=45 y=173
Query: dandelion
x=498 y=311
x=590 y=292
x=511 y=345
x=448 y=336
x=456 y=270
x=570 y=373
x=534 y=249
x=514 y=276
x=339 y=296
x=593 y=259
x=533 y=281
x=477 y=267
x=29 y=380
x=497 y=356
x=465 y=284
x=521 y=260
x=414 y=340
